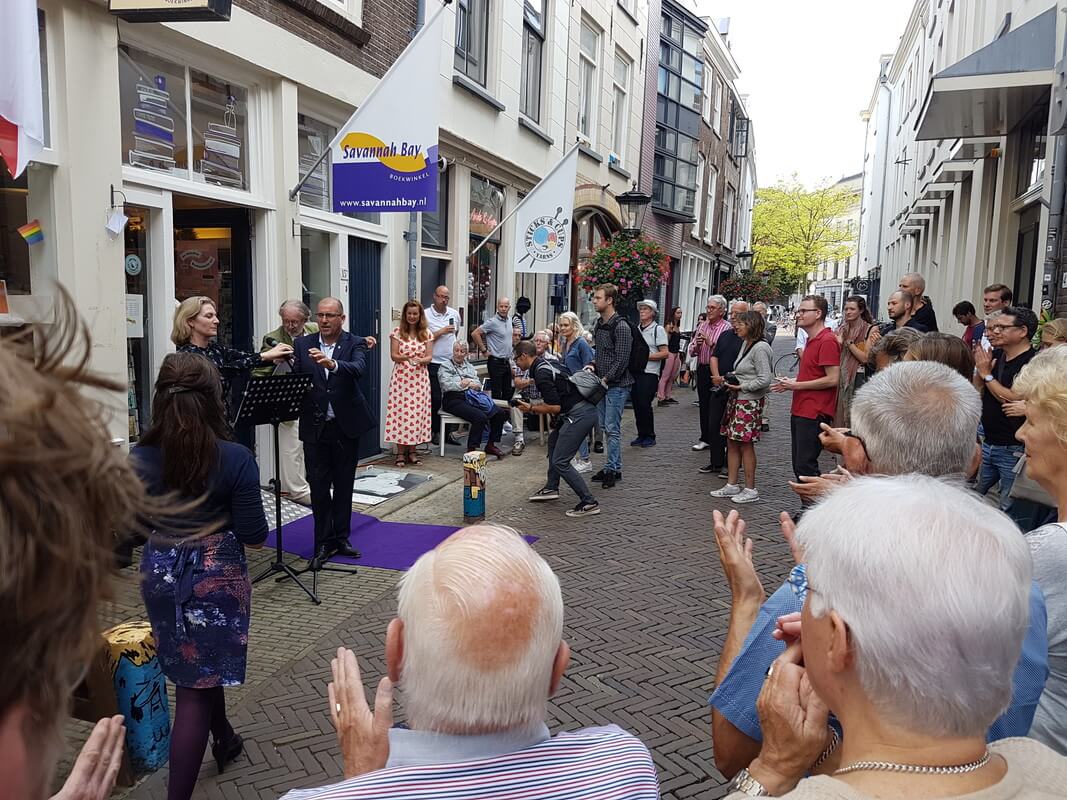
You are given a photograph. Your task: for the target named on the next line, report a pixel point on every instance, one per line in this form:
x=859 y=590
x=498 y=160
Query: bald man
x=477 y=650
x=922 y=310
x=443 y=322
x=494 y=337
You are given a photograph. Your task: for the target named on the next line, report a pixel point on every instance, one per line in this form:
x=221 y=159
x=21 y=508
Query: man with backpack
x=619 y=356
x=647 y=382
x=576 y=415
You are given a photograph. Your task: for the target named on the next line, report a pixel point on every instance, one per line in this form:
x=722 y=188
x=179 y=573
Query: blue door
x=364 y=319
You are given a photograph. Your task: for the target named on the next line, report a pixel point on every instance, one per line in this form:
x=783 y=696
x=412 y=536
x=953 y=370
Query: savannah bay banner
x=385 y=157
x=543 y=221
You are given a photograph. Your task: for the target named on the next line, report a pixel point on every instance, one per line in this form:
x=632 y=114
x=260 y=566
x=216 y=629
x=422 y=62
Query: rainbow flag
x=31 y=232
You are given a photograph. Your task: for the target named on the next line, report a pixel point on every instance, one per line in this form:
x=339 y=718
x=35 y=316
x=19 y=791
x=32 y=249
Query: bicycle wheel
x=787 y=365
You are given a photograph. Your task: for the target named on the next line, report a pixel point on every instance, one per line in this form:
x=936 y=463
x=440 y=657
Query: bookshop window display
x=486 y=210
x=182 y=121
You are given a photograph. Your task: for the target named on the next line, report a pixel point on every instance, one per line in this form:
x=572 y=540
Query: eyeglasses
x=321 y=315
x=1002 y=328
x=805 y=310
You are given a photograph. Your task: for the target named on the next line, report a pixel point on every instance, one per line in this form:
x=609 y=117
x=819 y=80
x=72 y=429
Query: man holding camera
x=724 y=354
x=702 y=346
x=574 y=423
x=443 y=322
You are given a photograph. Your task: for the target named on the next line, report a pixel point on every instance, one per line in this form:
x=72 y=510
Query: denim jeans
x=998 y=465
x=564 y=443
x=610 y=413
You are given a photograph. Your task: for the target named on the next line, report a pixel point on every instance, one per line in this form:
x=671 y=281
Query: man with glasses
x=443 y=322
x=1010 y=333
x=815 y=387
x=334 y=416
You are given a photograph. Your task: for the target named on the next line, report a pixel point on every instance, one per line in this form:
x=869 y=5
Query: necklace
x=921 y=769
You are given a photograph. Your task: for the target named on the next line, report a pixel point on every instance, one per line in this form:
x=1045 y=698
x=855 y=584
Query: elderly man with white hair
x=906 y=397
x=909 y=637
x=476 y=651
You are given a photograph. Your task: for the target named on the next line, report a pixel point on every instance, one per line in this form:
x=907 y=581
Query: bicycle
x=787 y=365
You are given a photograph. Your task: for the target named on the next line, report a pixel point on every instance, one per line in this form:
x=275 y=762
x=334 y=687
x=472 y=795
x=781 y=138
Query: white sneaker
x=701 y=445
x=580 y=466
x=729 y=490
x=746 y=496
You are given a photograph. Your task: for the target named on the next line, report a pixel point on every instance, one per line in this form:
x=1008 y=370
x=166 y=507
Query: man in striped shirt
x=477 y=650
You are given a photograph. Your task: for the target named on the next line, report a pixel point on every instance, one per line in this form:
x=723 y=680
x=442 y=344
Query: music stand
x=272 y=400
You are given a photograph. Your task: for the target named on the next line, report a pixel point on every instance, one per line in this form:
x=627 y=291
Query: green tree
x=795 y=228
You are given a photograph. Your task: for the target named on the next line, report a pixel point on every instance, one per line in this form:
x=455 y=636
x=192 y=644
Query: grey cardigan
x=754 y=371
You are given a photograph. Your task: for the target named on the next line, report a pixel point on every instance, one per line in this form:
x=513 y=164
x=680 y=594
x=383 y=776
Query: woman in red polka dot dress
x=407 y=413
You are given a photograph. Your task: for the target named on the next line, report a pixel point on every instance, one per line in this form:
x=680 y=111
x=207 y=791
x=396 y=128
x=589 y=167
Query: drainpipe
x=411 y=235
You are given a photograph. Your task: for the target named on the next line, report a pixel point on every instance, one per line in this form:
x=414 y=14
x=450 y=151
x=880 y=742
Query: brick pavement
x=647 y=607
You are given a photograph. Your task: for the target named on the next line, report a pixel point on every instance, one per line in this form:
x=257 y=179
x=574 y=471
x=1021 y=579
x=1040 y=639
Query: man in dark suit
x=334 y=416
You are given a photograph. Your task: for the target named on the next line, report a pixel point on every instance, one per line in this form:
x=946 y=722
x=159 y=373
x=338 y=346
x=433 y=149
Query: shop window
x=314 y=266
x=433 y=273
x=154 y=118
x=486 y=208
x=313 y=139
x=138 y=361
x=14 y=249
x=1032 y=141
x=435 y=223
x=220 y=130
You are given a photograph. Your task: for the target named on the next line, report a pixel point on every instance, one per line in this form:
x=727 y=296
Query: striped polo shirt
x=588 y=764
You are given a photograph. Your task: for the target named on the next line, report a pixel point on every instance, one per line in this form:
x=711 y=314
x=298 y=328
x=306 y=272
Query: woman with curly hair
x=407 y=412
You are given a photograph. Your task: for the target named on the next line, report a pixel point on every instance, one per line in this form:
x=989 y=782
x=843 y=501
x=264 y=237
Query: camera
x=514 y=402
x=732 y=379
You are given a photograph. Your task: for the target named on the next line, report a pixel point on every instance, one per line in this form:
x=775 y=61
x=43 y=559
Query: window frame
x=620 y=131
x=709 y=208
x=592 y=114
x=726 y=232
x=480 y=73
x=698 y=205
x=532 y=32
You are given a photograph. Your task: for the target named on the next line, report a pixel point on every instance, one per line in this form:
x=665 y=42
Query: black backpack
x=639 y=351
x=584 y=383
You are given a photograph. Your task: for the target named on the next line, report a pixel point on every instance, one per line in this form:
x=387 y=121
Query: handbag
x=1026 y=488
x=480 y=400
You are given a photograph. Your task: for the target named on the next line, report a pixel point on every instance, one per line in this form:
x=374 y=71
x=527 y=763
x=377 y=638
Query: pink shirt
x=712 y=331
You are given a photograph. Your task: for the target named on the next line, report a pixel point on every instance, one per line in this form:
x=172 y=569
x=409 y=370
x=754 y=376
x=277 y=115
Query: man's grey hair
x=483 y=621
x=918 y=280
x=720 y=301
x=936 y=600
x=299 y=305
x=917 y=416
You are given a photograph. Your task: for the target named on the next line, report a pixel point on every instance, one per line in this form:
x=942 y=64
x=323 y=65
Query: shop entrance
x=213 y=257
x=1026 y=255
x=365 y=313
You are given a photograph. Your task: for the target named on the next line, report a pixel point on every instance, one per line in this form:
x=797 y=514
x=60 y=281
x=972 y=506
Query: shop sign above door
x=171 y=10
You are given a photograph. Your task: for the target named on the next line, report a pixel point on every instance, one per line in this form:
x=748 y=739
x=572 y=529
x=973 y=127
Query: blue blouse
x=578 y=354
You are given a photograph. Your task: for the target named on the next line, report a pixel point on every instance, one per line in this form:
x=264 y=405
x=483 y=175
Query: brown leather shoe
x=493 y=450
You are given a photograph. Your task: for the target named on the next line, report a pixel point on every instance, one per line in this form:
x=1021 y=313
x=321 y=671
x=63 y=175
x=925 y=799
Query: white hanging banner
x=543 y=220
x=385 y=157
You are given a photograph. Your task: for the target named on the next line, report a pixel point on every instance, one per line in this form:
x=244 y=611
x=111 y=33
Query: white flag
x=21 y=106
x=385 y=156
x=543 y=221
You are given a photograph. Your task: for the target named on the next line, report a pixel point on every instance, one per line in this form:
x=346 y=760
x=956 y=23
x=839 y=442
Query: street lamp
x=633 y=205
x=744 y=261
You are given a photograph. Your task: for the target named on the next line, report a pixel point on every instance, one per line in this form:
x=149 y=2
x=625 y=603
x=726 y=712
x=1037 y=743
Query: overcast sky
x=809 y=68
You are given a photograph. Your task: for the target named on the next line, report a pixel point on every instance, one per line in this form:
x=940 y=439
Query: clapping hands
x=362 y=734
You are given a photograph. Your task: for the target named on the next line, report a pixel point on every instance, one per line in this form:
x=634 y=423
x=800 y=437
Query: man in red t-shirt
x=815 y=387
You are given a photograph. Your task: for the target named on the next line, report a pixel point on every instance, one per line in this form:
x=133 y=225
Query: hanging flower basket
x=749 y=286
x=637 y=266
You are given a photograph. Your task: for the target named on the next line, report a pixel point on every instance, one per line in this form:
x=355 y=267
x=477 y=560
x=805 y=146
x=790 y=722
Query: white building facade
x=834 y=278
x=957 y=183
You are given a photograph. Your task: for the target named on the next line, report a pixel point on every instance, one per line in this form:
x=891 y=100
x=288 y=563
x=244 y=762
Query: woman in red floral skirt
x=407 y=411
x=748 y=385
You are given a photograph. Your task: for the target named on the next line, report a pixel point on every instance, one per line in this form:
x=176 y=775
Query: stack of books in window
x=221 y=163
x=153 y=127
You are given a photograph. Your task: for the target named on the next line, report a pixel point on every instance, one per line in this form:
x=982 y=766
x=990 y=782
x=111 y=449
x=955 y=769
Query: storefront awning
x=990 y=91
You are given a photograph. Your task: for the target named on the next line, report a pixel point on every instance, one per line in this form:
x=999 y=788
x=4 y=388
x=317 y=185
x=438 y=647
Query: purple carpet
x=388 y=545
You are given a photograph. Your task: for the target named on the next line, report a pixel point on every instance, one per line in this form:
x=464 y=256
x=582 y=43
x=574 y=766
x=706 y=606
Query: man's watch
x=988 y=378
x=747 y=785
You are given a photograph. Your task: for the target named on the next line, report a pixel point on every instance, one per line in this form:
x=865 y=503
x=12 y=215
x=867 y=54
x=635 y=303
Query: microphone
x=271 y=341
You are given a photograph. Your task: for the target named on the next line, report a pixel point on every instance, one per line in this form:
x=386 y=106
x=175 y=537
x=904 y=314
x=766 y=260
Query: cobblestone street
x=646 y=612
